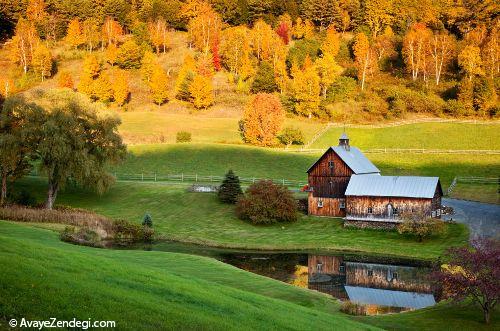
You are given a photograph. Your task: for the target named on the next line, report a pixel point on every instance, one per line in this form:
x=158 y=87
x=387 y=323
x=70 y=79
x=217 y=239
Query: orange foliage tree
x=111 y=32
x=74 y=35
x=363 y=57
x=120 y=87
x=111 y=54
x=201 y=91
x=415 y=49
x=158 y=34
x=24 y=43
x=262 y=120
x=204 y=28
x=42 y=61
x=159 y=86
x=65 y=80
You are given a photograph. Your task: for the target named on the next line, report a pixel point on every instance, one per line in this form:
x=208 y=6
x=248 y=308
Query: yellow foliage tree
x=204 y=29
x=148 y=65
x=306 y=88
x=328 y=71
x=158 y=34
x=74 y=35
x=111 y=54
x=90 y=72
x=121 y=87
x=470 y=61
x=262 y=120
x=111 y=32
x=378 y=14
x=201 y=91
x=65 y=80
x=159 y=86
x=42 y=61
x=415 y=49
x=23 y=44
x=102 y=88
x=235 y=51
x=331 y=44
x=188 y=68
x=91 y=34
x=362 y=55
x=204 y=65
x=491 y=54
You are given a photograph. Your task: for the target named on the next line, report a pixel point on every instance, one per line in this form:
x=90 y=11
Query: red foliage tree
x=473 y=272
x=216 y=56
x=283 y=31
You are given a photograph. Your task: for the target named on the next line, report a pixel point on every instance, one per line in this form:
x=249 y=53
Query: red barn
x=344 y=183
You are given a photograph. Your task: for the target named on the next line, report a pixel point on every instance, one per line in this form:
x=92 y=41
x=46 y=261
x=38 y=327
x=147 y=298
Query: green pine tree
x=230 y=189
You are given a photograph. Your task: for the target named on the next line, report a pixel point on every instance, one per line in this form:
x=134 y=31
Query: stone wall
x=370 y=225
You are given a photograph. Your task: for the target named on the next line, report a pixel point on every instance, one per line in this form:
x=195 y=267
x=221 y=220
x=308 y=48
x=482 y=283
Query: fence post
x=182 y=177
x=196 y=177
x=142 y=178
x=253 y=179
x=283 y=181
x=155 y=176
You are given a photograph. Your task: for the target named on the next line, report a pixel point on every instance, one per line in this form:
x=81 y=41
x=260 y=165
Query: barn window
x=342 y=204
x=370 y=273
x=370 y=210
x=331 y=164
x=341 y=268
x=320 y=203
x=396 y=211
x=394 y=275
x=319 y=267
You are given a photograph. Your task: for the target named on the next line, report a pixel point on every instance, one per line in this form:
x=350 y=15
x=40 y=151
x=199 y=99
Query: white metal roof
x=389 y=298
x=354 y=159
x=392 y=186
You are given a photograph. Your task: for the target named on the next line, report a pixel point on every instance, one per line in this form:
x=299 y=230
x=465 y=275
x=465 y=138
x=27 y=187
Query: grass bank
x=201 y=218
x=43 y=277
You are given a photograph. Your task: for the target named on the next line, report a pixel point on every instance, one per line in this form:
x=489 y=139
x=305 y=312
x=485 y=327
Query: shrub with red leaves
x=265 y=203
x=283 y=31
x=473 y=272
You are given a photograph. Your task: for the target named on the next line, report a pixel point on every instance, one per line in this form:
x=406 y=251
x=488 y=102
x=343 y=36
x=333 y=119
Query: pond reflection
x=379 y=288
x=377 y=284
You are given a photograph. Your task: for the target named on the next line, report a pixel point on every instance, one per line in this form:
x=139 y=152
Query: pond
x=380 y=284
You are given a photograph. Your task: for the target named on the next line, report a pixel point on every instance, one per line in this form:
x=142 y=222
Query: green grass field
x=201 y=218
x=422 y=135
x=43 y=277
x=216 y=159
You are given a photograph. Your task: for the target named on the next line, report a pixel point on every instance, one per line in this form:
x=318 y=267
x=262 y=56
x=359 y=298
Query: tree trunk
x=3 y=195
x=51 y=195
x=486 y=312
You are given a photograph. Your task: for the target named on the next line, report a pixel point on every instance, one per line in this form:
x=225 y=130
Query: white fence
x=408 y=151
x=195 y=178
x=473 y=180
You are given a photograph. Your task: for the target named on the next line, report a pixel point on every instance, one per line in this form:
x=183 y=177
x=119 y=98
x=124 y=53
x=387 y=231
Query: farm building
x=344 y=183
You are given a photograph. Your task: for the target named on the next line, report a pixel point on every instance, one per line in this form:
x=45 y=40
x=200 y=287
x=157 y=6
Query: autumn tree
x=36 y=11
x=111 y=54
x=284 y=28
x=111 y=32
x=102 y=88
x=205 y=65
x=159 y=86
x=91 y=34
x=148 y=65
x=473 y=272
x=262 y=38
x=24 y=43
x=362 y=55
x=470 y=61
x=442 y=47
x=327 y=67
x=415 y=49
x=204 y=29
x=184 y=78
x=331 y=43
x=262 y=120
x=491 y=54
x=385 y=45
x=264 y=80
x=321 y=12
x=129 y=55
x=42 y=61
x=158 y=34
x=90 y=72
x=74 y=35
x=121 y=89
x=377 y=15
x=201 y=92
x=235 y=51
x=306 y=88
x=65 y=80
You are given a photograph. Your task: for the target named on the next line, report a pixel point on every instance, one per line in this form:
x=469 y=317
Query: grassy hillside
x=421 y=135
x=201 y=218
x=212 y=159
x=43 y=277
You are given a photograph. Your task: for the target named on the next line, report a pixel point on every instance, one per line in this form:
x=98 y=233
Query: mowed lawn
x=247 y=161
x=430 y=135
x=201 y=218
x=43 y=277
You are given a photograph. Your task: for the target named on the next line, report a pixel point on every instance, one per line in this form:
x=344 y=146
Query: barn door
x=390 y=211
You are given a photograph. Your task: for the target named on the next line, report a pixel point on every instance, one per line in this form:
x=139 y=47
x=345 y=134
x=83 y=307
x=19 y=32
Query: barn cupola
x=344 y=141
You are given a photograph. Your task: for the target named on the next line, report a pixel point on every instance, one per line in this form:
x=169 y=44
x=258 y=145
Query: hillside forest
x=343 y=61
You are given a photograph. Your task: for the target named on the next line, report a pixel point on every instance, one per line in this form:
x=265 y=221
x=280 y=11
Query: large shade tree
x=77 y=144
x=18 y=124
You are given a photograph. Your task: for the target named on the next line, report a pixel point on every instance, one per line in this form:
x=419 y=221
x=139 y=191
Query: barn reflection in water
x=378 y=287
